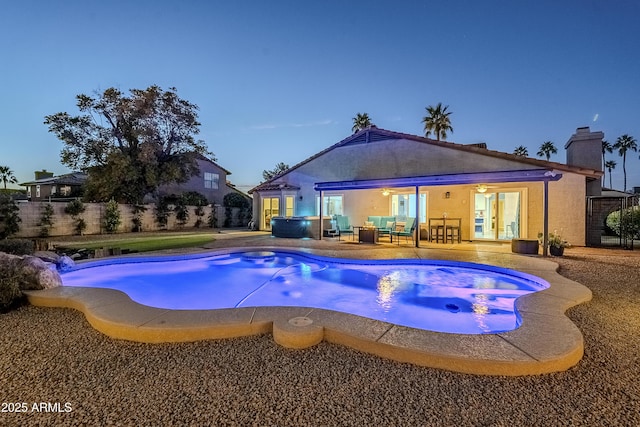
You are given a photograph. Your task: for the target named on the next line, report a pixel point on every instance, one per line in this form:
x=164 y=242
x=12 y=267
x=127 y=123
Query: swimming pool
x=441 y=296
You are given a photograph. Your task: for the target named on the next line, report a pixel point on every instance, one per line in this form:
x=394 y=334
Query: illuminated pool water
x=442 y=296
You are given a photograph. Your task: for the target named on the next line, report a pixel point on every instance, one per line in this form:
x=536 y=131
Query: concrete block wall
x=64 y=225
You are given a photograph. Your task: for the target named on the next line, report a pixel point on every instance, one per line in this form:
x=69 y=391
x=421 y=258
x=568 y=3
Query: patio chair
x=406 y=231
x=343 y=226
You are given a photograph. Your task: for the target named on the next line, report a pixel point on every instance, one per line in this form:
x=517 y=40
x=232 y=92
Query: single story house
x=495 y=196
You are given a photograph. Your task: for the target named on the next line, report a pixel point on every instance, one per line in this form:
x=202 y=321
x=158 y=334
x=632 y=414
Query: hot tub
x=296 y=227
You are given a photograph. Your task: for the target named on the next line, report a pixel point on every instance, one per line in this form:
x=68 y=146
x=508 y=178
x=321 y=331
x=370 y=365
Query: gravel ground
x=53 y=355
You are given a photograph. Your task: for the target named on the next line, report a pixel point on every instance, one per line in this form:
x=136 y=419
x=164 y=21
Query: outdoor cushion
x=390 y=224
x=368 y=224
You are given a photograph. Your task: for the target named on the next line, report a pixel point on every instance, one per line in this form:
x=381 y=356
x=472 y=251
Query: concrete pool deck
x=547 y=340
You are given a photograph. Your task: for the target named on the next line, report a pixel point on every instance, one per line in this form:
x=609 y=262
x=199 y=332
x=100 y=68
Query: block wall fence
x=63 y=224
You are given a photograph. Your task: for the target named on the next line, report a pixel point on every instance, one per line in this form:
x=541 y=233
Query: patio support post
x=417 y=220
x=545 y=238
x=321 y=216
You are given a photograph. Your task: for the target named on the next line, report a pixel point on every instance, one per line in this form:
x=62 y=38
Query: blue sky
x=279 y=81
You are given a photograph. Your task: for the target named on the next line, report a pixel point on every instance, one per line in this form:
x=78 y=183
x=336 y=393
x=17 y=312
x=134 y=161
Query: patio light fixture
x=385 y=191
x=481 y=188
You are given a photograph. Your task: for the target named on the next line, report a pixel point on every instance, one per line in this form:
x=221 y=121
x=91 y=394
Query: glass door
x=497 y=215
x=271 y=208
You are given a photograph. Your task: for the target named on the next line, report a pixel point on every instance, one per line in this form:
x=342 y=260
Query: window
x=53 y=189
x=404 y=205
x=332 y=205
x=37 y=191
x=288 y=206
x=211 y=180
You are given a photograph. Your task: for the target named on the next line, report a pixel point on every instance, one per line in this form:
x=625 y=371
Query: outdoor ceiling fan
x=387 y=191
x=482 y=188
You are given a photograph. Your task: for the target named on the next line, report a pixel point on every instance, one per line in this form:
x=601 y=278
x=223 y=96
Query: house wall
x=196 y=183
x=404 y=158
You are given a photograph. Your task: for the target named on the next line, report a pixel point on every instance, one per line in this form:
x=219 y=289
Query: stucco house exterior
x=496 y=196
x=211 y=182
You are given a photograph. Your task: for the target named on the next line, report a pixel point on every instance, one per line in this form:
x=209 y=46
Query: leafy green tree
x=9 y=216
x=623 y=144
x=547 y=149
x=361 y=121
x=6 y=176
x=610 y=165
x=268 y=174
x=521 y=150
x=130 y=145
x=437 y=121
x=606 y=148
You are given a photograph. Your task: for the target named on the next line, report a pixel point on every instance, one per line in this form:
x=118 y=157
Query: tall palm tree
x=361 y=121
x=606 y=147
x=623 y=144
x=521 y=150
x=437 y=121
x=6 y=176
x=547 y=149
x=610 y=165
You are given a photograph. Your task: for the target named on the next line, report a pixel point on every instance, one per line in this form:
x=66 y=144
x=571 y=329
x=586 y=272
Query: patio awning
x=528 y=175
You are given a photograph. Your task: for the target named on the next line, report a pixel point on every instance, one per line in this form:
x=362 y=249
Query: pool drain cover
x=452 y=308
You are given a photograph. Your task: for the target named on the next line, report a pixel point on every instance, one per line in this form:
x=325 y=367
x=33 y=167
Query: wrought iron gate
x=598 y=234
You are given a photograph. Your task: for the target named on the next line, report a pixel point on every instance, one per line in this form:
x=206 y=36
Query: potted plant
x=556 y=243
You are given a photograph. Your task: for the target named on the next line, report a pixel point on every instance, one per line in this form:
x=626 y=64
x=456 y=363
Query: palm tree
x=437 y=121
x=6 y=176
x=361 y=121
x=623 y=144
x=610 y=165
x=521 y=150
x=547 y=149
x=606 y=147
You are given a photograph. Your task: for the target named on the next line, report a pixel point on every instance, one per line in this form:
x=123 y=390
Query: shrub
x=193 y=198
x=626 y=221
x=235 y=200
x=212 y=220
x=46 y=220
x=75 y=208
x=137 y=211
x=182 y=212
x=10 y=294
x=162 y=212
x=17 y=246
x=111 y=217
x=9 y=219
x=199 y=212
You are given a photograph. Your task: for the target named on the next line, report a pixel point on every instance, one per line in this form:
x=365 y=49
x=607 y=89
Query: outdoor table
x=367 y=234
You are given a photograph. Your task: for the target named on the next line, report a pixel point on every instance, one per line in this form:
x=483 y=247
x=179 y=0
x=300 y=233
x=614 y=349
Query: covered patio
x=426 y=185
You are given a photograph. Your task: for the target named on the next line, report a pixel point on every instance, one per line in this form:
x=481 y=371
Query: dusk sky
x=278 y=81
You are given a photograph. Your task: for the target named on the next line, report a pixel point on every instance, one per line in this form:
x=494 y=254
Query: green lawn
x=144 y=243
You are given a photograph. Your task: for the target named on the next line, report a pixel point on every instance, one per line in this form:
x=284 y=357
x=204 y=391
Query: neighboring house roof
x=608 y=192
x=73 y=178
x=201 y=157
x=374 y=134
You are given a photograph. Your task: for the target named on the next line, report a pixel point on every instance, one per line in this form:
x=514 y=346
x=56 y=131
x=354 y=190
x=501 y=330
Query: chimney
x=584 y=149
x=43 y=174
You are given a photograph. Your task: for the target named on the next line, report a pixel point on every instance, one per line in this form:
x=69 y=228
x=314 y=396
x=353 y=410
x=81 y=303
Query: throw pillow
x=368 y=223
x=390 y=225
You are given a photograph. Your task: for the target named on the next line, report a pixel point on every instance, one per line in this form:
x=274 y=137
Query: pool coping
x=547 y=341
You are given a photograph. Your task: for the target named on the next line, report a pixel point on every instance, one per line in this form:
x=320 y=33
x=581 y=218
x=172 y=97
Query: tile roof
x=374 y=134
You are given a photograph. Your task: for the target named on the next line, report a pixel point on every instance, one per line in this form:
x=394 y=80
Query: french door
x=497 y=215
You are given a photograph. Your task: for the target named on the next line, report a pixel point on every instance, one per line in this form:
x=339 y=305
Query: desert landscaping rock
x=54 y=355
